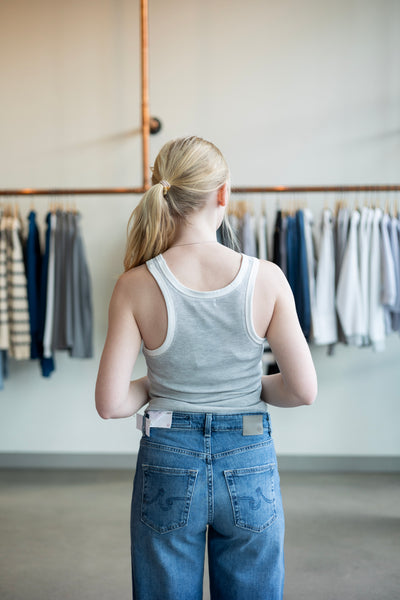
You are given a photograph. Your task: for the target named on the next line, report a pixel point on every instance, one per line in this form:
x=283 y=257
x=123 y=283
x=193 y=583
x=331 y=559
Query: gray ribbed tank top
x=210 y=360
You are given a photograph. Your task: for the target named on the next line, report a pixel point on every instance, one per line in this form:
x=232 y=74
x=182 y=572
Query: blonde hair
x=185 y=172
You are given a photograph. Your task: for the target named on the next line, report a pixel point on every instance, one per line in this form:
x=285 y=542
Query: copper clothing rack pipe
x=144 y=13
x=235 y=190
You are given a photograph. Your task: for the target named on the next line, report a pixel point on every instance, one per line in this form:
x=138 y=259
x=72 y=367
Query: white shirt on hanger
x=348 y=296
x=324 y=320
x=364 y=245
x=376 y=311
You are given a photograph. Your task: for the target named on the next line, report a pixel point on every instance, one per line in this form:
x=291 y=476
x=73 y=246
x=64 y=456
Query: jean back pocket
x=167 y=496
x=252 y=496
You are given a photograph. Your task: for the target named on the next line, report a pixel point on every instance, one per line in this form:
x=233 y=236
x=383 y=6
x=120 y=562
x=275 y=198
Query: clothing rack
x=235 y=190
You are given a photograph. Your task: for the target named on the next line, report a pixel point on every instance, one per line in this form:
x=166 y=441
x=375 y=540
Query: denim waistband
x=214 y=421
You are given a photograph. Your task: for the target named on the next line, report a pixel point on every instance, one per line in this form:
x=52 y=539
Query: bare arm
x=116 y=395
x=296 y=384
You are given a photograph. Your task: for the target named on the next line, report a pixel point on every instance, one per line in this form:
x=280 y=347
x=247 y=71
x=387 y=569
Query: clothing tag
x=148 y=427
x=139 y=422
x=158 y=418
x=253 y=424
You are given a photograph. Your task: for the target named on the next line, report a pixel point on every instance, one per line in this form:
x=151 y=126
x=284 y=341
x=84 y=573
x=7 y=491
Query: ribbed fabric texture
x=210 y=360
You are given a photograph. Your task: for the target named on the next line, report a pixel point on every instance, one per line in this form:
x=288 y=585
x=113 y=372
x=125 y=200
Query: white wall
x=292 y=92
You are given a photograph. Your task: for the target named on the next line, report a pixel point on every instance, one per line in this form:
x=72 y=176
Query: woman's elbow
x=103 y=406
x=104 y=413
x=102 y=410
x=309 y=394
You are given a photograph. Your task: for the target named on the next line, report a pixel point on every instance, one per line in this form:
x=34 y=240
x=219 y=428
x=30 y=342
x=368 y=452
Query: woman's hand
x=139 y=392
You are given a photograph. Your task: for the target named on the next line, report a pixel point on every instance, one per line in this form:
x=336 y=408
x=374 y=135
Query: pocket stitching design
x=239 y=521
x=166 y=503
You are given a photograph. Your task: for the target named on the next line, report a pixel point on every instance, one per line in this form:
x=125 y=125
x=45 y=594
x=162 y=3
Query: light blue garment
x=201 y=472
x=249 y=235
x=210 y=360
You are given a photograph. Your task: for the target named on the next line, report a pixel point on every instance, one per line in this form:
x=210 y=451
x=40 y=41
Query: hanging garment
x=82 y=311
x=302 y=292
x=69 y=226
x=34 y=264
x=292 y=252
x=18 y=311
x=48 y=361
x=59 y=340
x=4 y=324
x=364 y=244
x=394 y=241
x=276 y=252
x=376 y=310
x=348 y=296
x=341 y=230
x=249 y=235
x=311 y=262
x=262 y=241
x=389 y=290
x=282 y=242
x=324 y=318
x=3 y=367
x=341 y=235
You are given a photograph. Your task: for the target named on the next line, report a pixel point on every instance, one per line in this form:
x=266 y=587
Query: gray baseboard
x=372 y=464
x=66 y=461
x=387 y=464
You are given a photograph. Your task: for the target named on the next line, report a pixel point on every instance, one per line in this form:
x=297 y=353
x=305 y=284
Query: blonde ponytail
x=151 y=228
x=186 y=171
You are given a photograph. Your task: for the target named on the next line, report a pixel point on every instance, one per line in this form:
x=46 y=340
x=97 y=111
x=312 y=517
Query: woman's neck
x=176 y=244
x=197 y=232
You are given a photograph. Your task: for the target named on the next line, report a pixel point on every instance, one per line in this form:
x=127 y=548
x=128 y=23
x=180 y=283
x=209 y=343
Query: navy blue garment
x=302 y=289
x=292 y=253
x=297 y=269
x=33 y=275
x=3 y=367
x=276 y=254
x=47 y=364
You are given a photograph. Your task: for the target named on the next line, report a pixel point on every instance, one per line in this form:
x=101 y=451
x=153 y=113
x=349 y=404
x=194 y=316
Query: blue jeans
x=204 y=471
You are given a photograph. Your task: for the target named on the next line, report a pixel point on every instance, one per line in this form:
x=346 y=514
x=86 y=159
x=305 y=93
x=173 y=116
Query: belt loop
x=207 y=425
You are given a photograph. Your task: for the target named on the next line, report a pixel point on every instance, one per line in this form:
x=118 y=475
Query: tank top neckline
x=162 y=263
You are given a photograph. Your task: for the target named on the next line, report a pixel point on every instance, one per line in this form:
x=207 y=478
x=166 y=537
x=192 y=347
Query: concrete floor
x=64 y=535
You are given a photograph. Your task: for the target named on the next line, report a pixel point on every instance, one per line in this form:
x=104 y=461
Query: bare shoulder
x=134 y=283
x=271 y=277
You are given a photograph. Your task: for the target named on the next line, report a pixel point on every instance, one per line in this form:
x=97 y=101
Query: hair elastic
x=166 y=186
